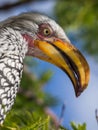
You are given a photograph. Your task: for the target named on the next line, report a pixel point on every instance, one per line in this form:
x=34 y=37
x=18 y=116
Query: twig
x=96 y=115
x=12 y=5
x=54 y=118
x=52 y=115
x=61 y=116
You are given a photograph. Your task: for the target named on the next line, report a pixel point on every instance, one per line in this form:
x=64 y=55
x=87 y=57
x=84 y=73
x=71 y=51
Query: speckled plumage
x=12 y=52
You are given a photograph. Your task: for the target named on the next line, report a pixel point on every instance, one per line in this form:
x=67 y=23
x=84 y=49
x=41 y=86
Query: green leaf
x=78 y=127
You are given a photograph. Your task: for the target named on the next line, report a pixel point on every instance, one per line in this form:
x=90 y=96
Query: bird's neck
x=12 y=42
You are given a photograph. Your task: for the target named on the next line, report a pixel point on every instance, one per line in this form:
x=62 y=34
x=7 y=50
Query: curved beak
x=69 y=59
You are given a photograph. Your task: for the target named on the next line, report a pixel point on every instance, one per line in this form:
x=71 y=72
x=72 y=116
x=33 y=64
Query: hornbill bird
x=36 y=35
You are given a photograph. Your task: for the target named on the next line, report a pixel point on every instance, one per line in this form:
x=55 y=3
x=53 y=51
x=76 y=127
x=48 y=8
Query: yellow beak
x=69 y=59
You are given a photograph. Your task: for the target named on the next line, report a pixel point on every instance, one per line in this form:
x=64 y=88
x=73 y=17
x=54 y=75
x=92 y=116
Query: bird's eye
x=46 y=32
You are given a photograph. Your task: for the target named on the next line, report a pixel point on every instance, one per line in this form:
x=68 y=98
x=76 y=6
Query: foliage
x=80 y=16
x=78 y=127
x=32 y=121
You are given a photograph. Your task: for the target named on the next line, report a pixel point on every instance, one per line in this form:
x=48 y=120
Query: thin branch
x=61 y=116
x=8 y=6
x=52 y=115
x=57 y=121
x=96 y=115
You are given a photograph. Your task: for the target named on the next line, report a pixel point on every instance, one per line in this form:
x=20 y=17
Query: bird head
x=47 y=41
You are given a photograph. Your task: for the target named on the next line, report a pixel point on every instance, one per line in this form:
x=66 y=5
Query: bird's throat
x=29 y=40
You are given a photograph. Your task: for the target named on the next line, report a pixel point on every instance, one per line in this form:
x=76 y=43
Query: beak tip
x=79 y=91
x=78 y=94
